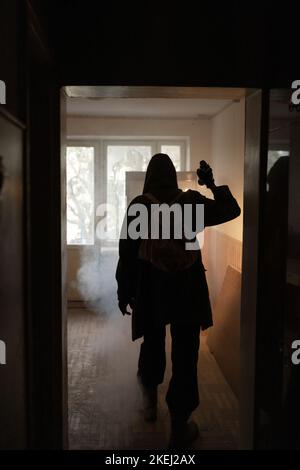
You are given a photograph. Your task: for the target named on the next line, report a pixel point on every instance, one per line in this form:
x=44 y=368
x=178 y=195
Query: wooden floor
x=105 y=400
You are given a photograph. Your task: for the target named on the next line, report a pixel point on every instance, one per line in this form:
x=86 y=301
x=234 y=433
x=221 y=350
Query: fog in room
x=109 y=144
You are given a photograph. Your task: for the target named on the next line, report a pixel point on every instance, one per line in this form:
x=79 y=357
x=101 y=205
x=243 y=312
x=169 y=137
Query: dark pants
x=182 y=396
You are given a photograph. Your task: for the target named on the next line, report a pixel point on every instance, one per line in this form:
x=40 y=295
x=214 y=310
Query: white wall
x=223 y=243
x=198 y=131
x=227 y=158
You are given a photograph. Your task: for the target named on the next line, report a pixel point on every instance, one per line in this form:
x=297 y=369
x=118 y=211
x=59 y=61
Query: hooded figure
x=161 y=175
x=180 y=298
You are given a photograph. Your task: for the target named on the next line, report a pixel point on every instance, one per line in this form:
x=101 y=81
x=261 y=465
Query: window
x=96 y=174
x=80 y=195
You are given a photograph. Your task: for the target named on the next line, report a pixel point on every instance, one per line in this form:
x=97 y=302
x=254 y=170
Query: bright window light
x=80 y=195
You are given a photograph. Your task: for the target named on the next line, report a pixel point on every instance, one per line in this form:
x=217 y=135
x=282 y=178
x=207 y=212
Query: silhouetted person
x=178 y=297
x=270 y=327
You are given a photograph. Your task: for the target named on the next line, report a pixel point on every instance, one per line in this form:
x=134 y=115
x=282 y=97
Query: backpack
x=169 y=255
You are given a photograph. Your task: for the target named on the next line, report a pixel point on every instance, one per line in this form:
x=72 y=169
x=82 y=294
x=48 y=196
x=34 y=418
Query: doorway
x=109 y=143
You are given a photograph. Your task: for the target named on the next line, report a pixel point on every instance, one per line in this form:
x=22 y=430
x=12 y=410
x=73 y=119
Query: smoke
x=96 y=282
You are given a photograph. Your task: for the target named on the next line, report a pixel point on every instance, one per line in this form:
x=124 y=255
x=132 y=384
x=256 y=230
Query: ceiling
x=173 y=108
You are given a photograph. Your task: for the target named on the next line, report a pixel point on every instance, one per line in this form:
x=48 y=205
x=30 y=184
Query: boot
x=149 y=401
x=183 y=433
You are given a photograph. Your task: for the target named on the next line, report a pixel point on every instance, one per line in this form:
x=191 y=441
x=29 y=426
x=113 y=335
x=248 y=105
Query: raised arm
x=224 y=206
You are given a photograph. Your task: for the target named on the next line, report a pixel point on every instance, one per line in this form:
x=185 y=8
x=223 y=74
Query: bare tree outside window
x=119 y=158
x=80 y=195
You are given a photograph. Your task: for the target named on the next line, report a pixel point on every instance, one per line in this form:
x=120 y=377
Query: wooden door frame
x=256 y=153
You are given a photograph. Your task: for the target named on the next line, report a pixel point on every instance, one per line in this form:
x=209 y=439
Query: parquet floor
x=105 y=400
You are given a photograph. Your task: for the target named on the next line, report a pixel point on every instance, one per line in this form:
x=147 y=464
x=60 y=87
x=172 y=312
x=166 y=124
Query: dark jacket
x=161 y=297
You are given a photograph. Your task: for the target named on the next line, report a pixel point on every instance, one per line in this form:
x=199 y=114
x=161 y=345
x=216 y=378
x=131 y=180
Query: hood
x=160 y=174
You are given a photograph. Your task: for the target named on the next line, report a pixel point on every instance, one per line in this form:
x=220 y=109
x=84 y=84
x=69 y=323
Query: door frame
x=256 y=154
x=255 y=163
